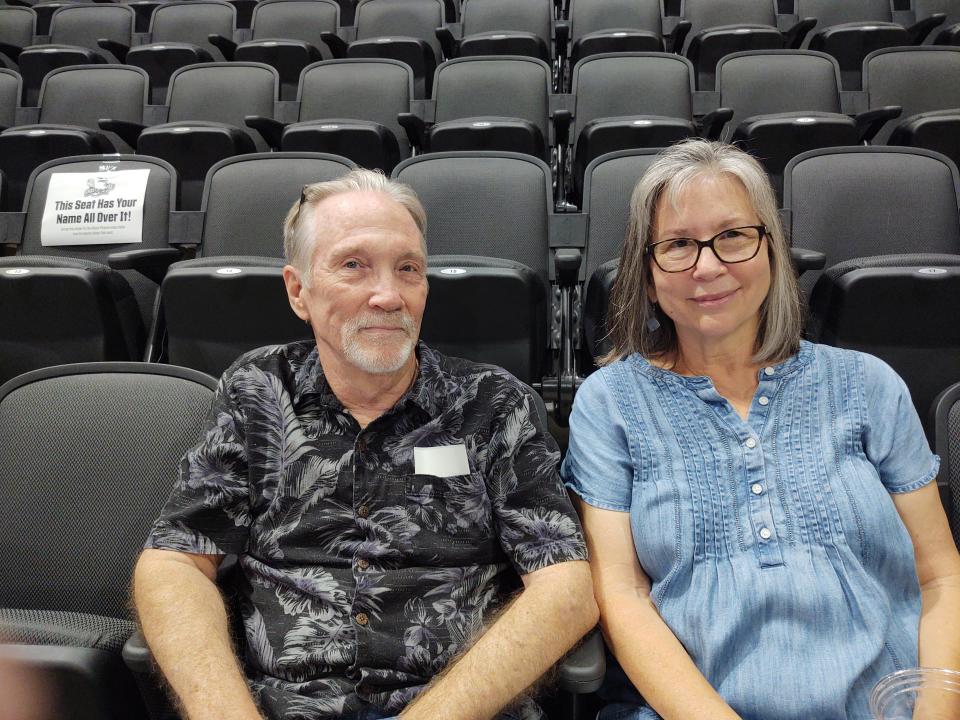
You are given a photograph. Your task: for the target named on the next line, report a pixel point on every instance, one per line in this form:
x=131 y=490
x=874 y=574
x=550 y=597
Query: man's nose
x=385 y=293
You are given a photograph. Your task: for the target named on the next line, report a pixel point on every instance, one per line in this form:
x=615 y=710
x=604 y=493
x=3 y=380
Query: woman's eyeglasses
x=734 y=245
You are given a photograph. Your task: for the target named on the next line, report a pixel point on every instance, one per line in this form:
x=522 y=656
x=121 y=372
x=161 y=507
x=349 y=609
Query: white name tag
x=443 y=461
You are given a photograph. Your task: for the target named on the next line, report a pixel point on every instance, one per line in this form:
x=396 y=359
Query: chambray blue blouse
x=774 y=550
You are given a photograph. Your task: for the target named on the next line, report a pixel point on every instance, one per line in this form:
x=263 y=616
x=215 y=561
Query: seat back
x=925 y=8
x=358 y=89
x=410 y=18
x=531 y=16
x=919 y=79
x=295 y=20
x=587 y=16
x=857 y=201
x=622 y=84
x=831 y=12
x=223 y=92
x=762 y=82
x=484 y=203
x=504 y=86
x=17 y=25
x=270 y=182
x=10 y=85
x=703 y=14
x=83 y=25
x=946 y=417
x=192 y=21
x=89 y=455
x=82 y=94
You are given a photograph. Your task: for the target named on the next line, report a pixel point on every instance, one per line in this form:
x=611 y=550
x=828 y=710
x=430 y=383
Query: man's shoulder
x=283 y=361
x=461 y=372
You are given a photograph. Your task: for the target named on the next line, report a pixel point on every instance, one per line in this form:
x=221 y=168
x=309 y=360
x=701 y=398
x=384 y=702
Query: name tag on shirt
x=443 y=461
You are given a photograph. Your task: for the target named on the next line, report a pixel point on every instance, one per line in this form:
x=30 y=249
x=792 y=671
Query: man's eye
x=409 y=268
x=352 y=264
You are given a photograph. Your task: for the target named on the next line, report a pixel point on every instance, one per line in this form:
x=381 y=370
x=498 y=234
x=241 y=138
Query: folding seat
x=87 y=460
x=502 y=27
x=17 y=28
x=180 y=35
x=402 y=30
x=61 y=303
x=286 y=34
x=204 y=123
x=852 y=29
x=786 y=102
x=949 y=32
x=630 y=100
x=490 y=262
x=349 y=108
x=946 y=418
x=860 y=206
x=925 y=81
x=721 y=27
x=488 y=103
x=604 y=26
x=44 y=10
x=231 y=298
x=72 y=100
x=10 y=84
x=79 y=35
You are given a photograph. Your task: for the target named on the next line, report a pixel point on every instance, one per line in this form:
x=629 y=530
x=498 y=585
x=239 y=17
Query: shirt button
x=768 y=371
x=361 y=618
x=751 y=442
x=764 y=400
x=764 y=533
x=756 y=488
x=362 y=564
x=363 y=511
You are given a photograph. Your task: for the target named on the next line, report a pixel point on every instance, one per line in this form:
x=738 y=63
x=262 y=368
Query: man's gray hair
x=299 y=227
x=781 y=314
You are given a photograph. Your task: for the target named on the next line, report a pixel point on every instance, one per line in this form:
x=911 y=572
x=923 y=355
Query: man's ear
x=295 y=292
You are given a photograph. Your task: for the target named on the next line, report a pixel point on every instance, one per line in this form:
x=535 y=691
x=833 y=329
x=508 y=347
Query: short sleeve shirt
x=774 y=550
x=368 y=557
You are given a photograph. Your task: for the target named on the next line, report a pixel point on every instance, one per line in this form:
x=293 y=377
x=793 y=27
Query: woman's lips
x=714 y=299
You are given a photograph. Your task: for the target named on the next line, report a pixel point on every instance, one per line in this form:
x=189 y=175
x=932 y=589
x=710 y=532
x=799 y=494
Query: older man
x=385 y=503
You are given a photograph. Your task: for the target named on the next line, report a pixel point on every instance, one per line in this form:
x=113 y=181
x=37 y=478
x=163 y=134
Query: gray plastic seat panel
x=295 y=20
x=411 y=18
x=532 y=16
x=192 y=21
x=83 y=25
x=587 y=16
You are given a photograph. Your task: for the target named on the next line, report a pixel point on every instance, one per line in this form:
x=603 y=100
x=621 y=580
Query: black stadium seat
x=503 y=27
x=603 y=26
x=10 y=84
x=947 y=33
x=946 y=420
x=17 y=28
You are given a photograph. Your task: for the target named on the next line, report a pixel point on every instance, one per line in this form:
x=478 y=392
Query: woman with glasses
x=766 y=538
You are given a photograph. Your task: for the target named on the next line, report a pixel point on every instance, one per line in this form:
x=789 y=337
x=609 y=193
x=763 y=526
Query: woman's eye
x=732 y=234
x=678 y=245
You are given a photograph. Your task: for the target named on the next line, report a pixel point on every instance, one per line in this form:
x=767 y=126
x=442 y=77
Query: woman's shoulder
x=870 y=367
x=630 y=371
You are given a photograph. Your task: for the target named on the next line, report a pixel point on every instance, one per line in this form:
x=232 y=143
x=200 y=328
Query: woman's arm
x=938 y=569
x=650 y=654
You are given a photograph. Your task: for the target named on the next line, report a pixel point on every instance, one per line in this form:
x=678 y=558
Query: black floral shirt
x=361 y=578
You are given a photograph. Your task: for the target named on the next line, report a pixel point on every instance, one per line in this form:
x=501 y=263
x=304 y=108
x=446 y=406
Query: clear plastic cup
x=917 y=694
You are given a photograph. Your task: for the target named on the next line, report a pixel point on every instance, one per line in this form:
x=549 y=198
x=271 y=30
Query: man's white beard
x=374 y=357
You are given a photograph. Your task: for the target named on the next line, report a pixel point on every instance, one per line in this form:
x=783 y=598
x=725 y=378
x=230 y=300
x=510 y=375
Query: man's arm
x=554 y=610
x=185 y=624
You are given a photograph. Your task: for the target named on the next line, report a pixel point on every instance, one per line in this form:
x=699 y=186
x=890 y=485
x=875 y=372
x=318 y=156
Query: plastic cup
x=917 y=694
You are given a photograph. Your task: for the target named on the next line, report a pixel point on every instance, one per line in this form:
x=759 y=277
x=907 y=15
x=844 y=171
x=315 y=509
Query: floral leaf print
x=310 y=590
x=424 y=507
x=317 y=644
x=543 y=537
x=468 y=502
x=259 y=648
x=174 y=535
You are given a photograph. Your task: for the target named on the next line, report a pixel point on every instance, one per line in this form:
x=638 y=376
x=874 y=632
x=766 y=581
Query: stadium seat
x=629 y=100
x=179 y=36
x=852 y=29
x=286 y=34
x=231 y=298
x=72 y=100
x=17 y=29
x=502 y=27
x=86 y=463
x=931 y=106
x=349 y=108
x=945 y=415
x=948 y=33
x=402 y=30
x=605 y=26
x=80 y=34
x=10 y=84
x=61 y=303
x=205 y=112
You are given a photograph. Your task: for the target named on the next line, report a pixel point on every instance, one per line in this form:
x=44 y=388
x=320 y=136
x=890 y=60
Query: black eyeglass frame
x=701 y=244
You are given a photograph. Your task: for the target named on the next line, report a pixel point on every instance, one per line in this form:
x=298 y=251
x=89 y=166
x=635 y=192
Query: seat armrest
x=869 y=122
x=804 y=259
x=225 y=45
x=582 y=670
x=567 y=263
x=712 y=123
x=678 y=35
x=136 y=654
x=337 y=45
x=152 y=263
x=562 y=119
x=128 y=131
x=448 y=42
x=562 y=35
x=416 y=129
x=11 y=51
x=793 y=37
x=919 y=30
x=270 y=130
x=117 y=49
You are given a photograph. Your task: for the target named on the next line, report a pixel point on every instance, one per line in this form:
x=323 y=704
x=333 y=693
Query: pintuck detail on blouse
x=773 y=547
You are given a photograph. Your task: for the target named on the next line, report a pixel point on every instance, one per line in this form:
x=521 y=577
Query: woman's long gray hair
x=781 y=314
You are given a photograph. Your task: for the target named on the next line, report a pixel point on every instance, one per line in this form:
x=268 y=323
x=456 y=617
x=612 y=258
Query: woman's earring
x=652 y=323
